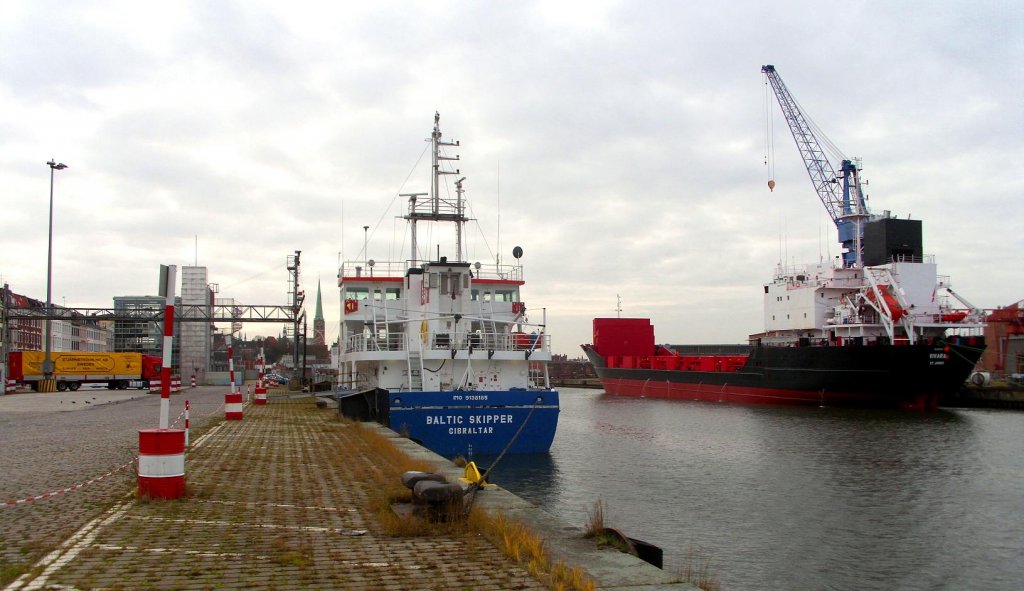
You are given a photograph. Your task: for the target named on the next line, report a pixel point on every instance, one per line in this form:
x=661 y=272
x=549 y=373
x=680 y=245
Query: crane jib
x=840 y=192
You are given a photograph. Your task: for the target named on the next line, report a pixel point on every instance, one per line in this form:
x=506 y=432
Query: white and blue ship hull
x=470 y=422
x=464 y=422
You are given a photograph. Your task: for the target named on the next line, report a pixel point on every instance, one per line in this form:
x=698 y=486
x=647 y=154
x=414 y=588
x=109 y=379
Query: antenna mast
x=437 y=209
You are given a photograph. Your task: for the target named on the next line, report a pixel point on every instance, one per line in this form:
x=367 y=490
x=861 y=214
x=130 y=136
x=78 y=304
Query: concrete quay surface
x=271 y=506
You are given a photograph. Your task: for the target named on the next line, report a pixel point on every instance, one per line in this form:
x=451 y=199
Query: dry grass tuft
x=597 y=530
x=595 y=519
x=526 y=548
x=696 y=571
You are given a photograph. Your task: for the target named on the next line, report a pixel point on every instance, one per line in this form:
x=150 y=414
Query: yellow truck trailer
x=72 y=369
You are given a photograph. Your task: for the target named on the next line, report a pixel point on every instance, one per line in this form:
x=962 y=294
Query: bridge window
x=357 y=293
x=450 y=283
x=392 y=293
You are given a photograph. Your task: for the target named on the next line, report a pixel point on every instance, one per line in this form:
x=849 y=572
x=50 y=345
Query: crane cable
x=769 y=136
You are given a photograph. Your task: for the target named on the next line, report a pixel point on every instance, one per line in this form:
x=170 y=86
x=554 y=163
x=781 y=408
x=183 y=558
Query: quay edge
x=971 y=396
x=610 y=568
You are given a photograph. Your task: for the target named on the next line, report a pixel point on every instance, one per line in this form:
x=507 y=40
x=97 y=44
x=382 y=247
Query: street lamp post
x=49 y=385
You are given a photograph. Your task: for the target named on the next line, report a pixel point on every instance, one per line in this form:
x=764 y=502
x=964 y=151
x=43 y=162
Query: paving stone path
x=276 y=501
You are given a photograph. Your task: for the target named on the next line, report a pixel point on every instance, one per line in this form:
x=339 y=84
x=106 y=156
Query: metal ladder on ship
x=379 y=308
x=487 y=323
x=415 y=367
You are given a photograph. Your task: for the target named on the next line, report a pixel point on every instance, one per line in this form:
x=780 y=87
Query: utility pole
x=49 y=384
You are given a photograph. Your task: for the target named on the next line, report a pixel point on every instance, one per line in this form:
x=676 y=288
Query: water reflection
x=539 y=472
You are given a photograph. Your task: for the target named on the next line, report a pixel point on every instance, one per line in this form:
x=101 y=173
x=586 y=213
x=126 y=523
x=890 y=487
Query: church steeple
x=319 y=303
x=319 y=327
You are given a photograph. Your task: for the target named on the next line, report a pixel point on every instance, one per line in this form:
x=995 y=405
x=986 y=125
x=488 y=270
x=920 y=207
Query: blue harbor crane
x=840 y=192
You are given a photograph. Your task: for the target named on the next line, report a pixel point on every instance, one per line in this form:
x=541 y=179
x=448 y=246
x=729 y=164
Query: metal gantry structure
x=840 y=192
x=193 y=313
x=233 y=313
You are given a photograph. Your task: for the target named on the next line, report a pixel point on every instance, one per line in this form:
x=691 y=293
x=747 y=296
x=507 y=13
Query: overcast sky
x=623 y=141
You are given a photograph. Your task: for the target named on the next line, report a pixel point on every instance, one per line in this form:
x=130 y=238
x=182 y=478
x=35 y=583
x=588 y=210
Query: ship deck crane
x=840 y=192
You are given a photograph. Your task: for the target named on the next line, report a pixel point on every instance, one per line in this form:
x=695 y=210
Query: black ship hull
x=898 y=376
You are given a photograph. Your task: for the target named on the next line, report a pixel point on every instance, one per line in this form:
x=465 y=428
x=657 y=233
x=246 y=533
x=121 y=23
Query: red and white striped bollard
x=261 y=388
x=161 y=463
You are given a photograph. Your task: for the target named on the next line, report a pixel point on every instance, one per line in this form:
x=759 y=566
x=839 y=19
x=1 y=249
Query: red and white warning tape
x=54 y=493
x=179 y=417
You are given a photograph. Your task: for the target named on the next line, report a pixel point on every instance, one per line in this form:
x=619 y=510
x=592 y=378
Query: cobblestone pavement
x=45 y=451
x=265 y=510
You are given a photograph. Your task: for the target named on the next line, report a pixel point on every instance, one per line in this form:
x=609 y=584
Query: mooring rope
x=953 y=349
x=474 y=487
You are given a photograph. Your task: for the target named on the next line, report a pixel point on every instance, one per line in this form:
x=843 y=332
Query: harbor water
x=793 y=498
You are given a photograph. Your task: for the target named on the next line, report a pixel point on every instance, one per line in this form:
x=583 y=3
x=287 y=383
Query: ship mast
x=438 y=210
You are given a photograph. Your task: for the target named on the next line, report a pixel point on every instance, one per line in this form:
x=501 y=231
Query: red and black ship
x=875 y=327
x=885 y=331
x=875 y=374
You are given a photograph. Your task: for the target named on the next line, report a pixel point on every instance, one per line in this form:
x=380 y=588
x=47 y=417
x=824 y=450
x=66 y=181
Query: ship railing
x=909 y=258
x=538 y=377
x=844 y=283
x=363 y=269
x=445 y=340
x=491 y=341
x=495 y=271
x=361 y=343
x=442 y=207
x=951 y=318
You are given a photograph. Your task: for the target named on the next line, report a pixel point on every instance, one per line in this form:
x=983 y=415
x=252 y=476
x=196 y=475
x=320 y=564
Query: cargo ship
x=876 y=326
x=886 y=333
x=885 y=330
x=442 y=350
x=822 y=371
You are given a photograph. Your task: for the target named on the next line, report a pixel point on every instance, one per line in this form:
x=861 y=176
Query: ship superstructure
x=893 y=298
x=444 y=345
x=882 y=288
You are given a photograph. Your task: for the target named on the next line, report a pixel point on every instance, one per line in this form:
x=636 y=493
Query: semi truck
x=72 y=369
